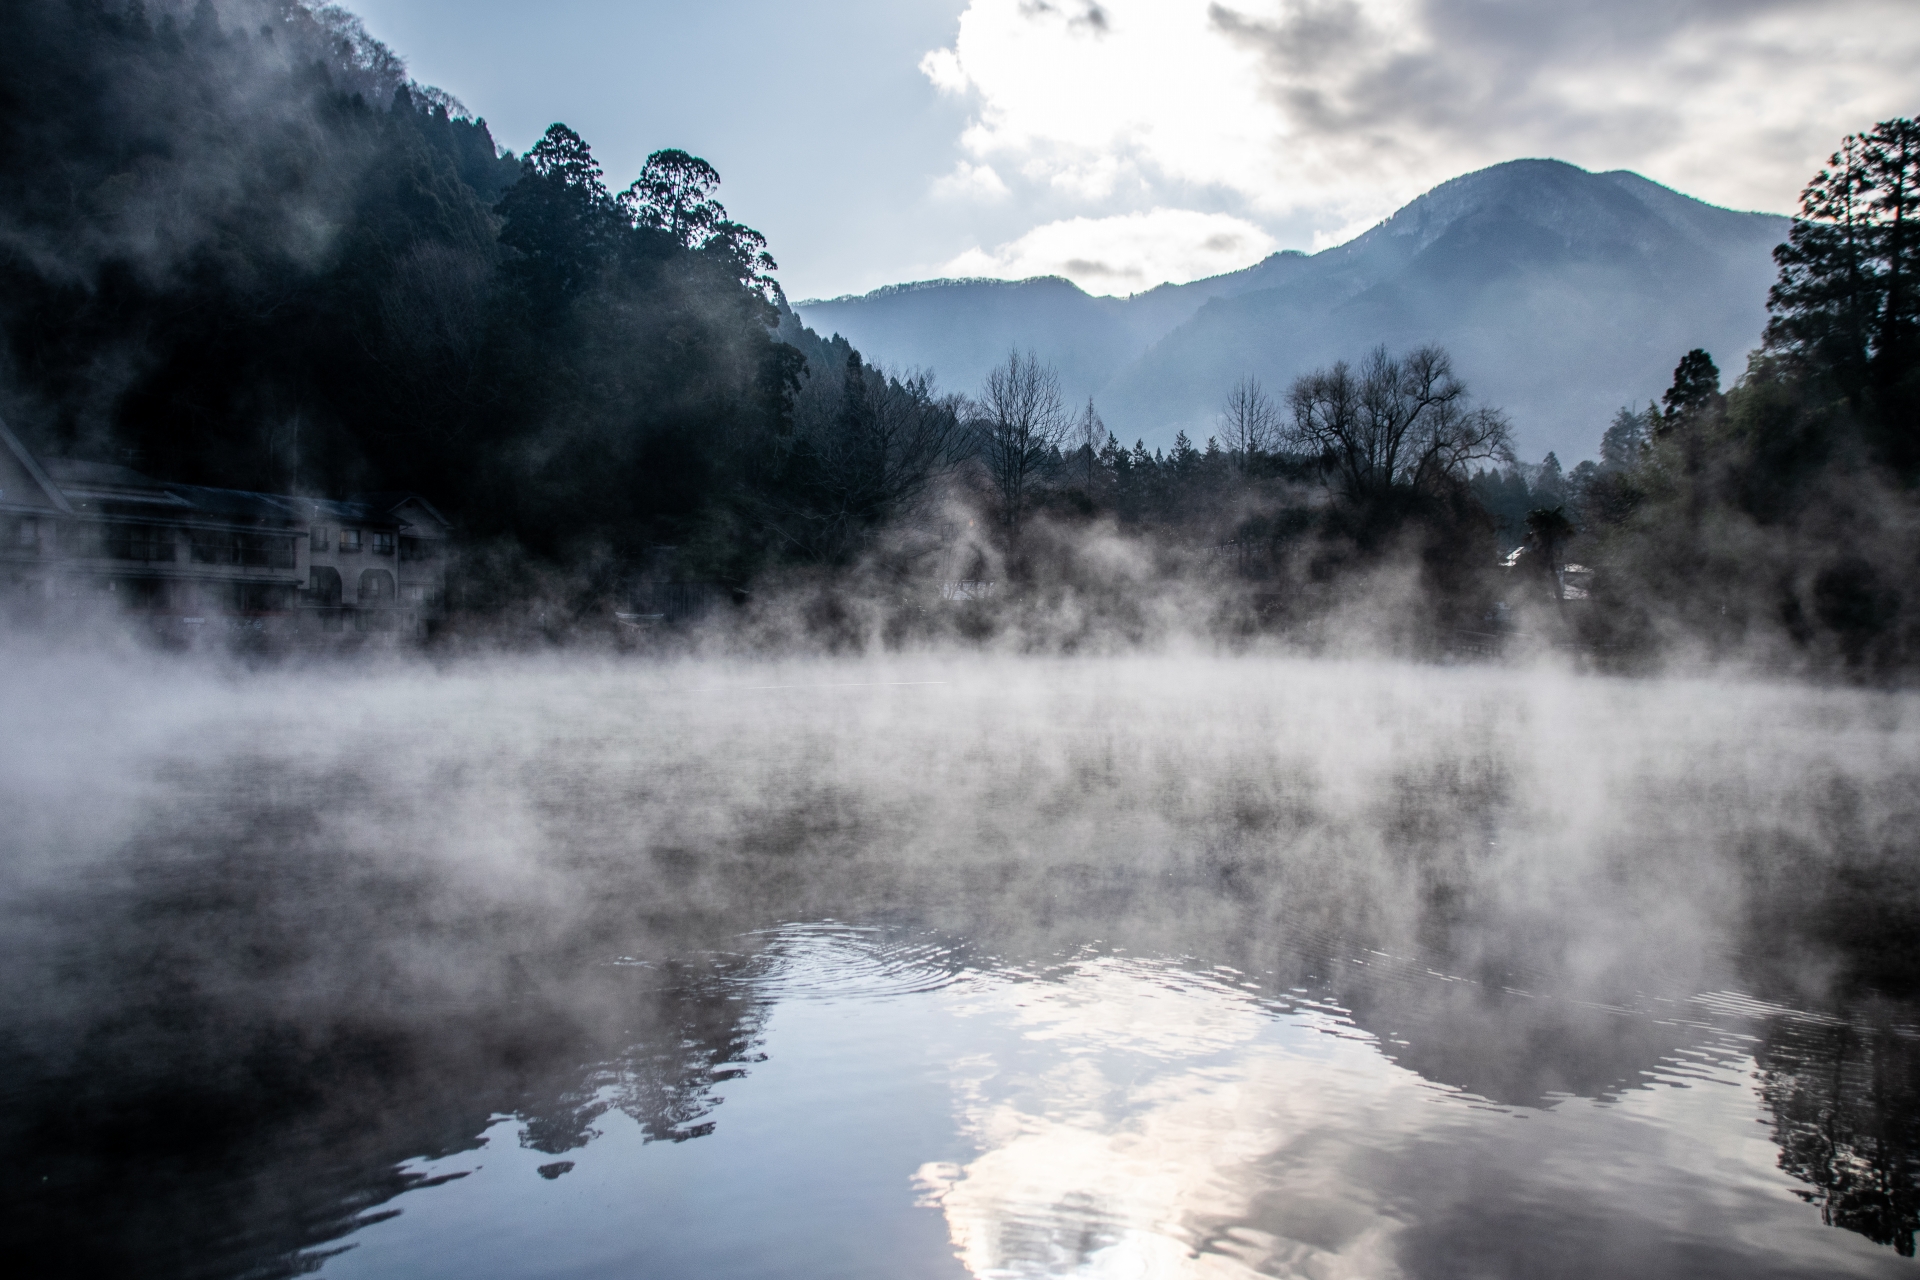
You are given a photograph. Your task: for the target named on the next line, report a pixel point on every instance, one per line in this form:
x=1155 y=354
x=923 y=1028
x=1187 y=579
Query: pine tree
x=1626 y=439
x=1846 y=308
x=1696 y=388
x=1550 y=482
x=559 y=216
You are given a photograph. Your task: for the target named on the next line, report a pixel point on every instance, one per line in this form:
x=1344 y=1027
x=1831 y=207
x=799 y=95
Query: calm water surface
x=896 y=1108
x=1106 y=970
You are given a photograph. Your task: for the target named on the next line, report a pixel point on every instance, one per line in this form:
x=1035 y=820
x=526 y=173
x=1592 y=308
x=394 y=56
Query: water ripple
x=828 y=960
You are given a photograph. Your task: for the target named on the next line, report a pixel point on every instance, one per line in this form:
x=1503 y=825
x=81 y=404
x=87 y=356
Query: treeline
x=1774 y=520
x=1778 y=517
x=242 y=249
x=239 y=247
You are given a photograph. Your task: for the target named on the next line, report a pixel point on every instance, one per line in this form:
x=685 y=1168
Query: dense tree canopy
x=242 y=249
x=1846 y=310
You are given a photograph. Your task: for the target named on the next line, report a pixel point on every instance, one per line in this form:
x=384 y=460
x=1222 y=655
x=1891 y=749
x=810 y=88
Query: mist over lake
x=957 y=964
x=1302 y=666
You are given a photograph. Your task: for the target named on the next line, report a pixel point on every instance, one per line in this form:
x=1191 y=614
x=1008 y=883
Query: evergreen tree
x=1626 y=438
x=674 y=194
x=558 y=217
x=1846 y=308
x=1550 y=482
x=1185 y=458
x=1695 y=389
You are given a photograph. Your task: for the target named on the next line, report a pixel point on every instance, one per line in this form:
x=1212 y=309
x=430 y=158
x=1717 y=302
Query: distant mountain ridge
x=1562 y=294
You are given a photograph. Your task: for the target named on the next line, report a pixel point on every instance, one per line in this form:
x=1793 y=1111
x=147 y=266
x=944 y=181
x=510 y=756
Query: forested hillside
x=241 y=248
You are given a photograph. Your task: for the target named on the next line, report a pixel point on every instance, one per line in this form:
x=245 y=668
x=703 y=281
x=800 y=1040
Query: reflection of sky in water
x=1121 y=1117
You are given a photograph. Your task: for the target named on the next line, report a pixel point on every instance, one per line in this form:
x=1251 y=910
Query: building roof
x=79 y=471
x=23 y=458
x=79 y=486
x=392 y=501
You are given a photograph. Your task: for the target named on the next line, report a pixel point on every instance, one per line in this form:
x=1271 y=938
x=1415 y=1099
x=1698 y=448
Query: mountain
x=1561 y=293
x=962 y=328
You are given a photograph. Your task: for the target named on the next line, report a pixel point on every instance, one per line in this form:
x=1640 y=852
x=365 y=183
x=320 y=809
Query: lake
x=988 y=966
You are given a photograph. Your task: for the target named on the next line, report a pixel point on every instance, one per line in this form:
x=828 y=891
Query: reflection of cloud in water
x=1141 y=1119
x=1176 y=1128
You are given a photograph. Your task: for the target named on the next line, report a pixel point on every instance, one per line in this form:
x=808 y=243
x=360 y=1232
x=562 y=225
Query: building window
x=319 y=540
x=262 y=597
x=210 y=546
x=26 y=533
x=324 y=587
x=416 y=549
x=375 y=585
x=383 y=544
x=349 y=539
x=253 y=550
x=148 y=595
x=139 y=542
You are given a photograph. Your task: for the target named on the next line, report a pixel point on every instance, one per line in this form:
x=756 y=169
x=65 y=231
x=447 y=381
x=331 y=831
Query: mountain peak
x=1562 y=293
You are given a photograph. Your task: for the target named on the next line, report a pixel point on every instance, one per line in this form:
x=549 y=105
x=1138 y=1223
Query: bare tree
x=918 y=436
x=1249 y=423
x=1021 y=423
x=868 y=447
x=1089 y=433
x=1396 y=423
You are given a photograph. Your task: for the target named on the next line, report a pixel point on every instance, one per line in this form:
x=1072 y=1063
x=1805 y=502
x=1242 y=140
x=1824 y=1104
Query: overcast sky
x=1127 y=142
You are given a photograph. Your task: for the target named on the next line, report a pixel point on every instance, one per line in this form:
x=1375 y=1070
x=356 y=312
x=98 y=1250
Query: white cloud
x=971 y=182
x=1328 y=114
x=942 y=66
x=1124 y=253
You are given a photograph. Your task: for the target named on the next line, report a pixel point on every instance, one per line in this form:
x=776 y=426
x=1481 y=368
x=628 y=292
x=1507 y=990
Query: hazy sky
x=1126 y=142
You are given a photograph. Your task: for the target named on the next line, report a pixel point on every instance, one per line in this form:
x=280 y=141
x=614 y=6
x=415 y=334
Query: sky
x=1123 y=143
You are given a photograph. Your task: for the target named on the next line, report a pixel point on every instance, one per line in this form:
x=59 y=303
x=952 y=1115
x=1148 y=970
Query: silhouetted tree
x=674 y=194
x=1550 y=482
x=1088 y=433
x=1249 y=423
x=1395 y=423
x=1692 y=408
x=1695 y=389
x=1547 y=533
x=1021 y=423
x=866 y=449
x=1846 y=309
x=558 y=218
x=1626 y=438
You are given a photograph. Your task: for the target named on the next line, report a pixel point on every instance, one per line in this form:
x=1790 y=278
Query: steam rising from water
x=395 y=902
